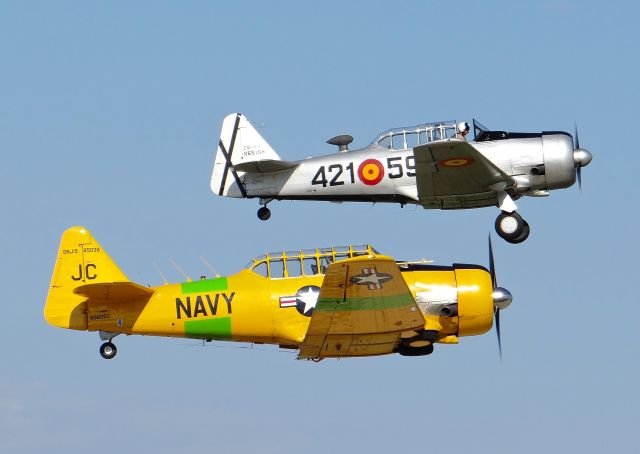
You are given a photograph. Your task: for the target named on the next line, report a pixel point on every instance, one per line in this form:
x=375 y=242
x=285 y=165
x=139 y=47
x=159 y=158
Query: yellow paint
x=475 y=301
x=89 y=292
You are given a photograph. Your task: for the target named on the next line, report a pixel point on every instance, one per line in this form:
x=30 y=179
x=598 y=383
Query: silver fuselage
x=376 y=174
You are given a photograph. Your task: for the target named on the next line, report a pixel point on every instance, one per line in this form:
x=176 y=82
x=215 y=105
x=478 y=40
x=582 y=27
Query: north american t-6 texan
x=331 y=302
x=432 y=165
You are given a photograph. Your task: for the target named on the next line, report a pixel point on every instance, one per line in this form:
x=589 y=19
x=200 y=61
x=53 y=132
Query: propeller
x=501 y=296
x=581 y=157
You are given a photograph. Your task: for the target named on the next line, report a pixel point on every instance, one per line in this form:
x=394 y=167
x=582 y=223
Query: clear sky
x=109 y=118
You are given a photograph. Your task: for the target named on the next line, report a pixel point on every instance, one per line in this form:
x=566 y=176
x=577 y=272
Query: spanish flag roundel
x=456 y=162
x=371 y=172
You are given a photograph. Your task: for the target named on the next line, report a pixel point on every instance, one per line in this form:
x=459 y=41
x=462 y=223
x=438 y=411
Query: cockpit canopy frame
x=305 y=262
x=413 y=136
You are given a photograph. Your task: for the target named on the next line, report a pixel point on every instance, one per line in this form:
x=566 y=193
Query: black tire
x=264 y=213
x=415 y=351
x=504 y=226
x=108 y=350
x=523 y=236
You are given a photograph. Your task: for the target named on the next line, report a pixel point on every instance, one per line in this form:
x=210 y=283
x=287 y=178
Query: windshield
x=478 y=130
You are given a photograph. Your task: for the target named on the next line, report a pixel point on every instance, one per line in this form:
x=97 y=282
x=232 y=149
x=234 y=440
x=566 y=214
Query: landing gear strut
x=512 y=228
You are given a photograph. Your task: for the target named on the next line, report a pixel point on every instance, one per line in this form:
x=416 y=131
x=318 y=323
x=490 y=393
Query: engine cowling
x=475 y=300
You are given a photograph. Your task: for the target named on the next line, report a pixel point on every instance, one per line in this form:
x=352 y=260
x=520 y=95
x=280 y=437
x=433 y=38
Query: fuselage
x=371 y=299
x=536 y=163
x=249 y=307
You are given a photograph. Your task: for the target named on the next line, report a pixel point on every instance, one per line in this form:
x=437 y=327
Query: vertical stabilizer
x=239 y=143
x=81 y=260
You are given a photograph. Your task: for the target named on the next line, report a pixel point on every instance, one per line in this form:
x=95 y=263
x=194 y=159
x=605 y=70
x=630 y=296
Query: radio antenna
x=160 y=273
x=175 y=265
x=209 y=266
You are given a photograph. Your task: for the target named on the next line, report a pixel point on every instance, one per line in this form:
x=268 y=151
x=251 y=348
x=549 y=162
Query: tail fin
x=239 y=144
x=81 y=261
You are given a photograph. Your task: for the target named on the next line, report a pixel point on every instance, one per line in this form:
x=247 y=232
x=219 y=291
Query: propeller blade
x=578 y=165
x=492 y=267
x=579 y=176
x=496 y=313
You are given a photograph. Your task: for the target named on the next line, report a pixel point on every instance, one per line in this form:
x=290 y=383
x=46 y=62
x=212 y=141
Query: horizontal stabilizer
x=265 y=166
x=114 y=291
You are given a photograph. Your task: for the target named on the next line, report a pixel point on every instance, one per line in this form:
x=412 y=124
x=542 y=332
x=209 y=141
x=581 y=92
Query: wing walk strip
x=228 y=166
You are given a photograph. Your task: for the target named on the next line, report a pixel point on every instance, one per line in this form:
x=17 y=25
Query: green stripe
x=205 y=285
x=366 y=303
x=213 y=328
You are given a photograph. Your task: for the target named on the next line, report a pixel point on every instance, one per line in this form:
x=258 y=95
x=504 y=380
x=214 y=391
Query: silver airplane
x=431 y=165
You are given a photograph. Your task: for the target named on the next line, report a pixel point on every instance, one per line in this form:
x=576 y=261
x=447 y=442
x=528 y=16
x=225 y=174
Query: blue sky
x=109 y=117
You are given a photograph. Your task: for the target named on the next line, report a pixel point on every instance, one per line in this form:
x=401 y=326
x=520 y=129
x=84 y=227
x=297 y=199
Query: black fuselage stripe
x=228 y=166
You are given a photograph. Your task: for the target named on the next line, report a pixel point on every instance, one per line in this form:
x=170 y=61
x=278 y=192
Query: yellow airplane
x=325 y=303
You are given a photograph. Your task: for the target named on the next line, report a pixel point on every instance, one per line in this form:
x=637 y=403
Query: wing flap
x=363 y=306
x=452 y=171
x=348 y=345
x=113 y=291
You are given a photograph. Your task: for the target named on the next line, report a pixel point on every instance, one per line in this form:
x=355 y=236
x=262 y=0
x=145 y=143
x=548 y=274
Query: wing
x=363 y=307
x=453 y=174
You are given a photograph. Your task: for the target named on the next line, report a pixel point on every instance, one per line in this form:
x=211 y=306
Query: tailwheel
x=264 y=213
x=408 y=350
x=511 y=227
x=108 y=350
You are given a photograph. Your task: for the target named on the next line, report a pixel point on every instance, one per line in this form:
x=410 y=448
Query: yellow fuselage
x=247 y=307
x=271 y=301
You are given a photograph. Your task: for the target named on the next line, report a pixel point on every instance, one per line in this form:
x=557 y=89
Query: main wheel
x=264 y=213
x=509 y=225
x=415 y=351
x=108 y=350
x=523 y=236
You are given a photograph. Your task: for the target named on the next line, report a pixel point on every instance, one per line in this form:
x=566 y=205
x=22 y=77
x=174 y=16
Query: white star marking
x=309 y=298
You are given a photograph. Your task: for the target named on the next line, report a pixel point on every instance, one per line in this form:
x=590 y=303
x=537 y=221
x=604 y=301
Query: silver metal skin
x=502 y=298
x=423 y=165
x=582 y=157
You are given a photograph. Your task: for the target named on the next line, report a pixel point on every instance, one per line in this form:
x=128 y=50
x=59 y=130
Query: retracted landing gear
x=512 y=228
x=264 y=213
x=406 y=350
x=419 y=345
x=107 y=350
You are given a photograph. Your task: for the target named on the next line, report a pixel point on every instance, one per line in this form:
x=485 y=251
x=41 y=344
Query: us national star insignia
x=371 y=278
